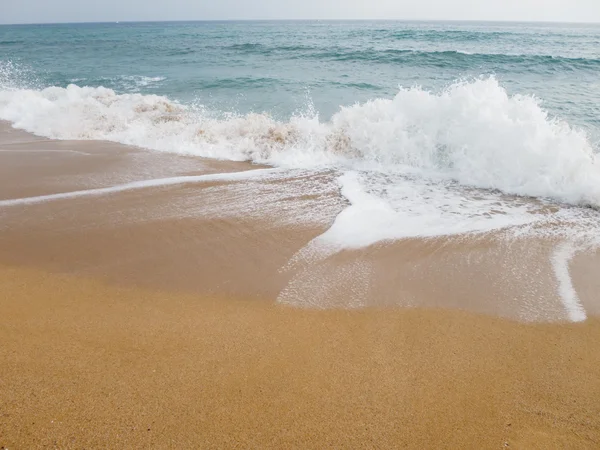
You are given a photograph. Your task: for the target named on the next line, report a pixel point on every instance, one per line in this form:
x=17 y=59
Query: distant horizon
x=84 y=22
x=34 y=12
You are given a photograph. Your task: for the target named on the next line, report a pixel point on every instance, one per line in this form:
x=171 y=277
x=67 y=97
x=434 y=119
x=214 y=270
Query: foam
x=410 y=207
x=77 y=152
x=560 y=264
x=144 y=184
x=473 y=133
x=383 y=207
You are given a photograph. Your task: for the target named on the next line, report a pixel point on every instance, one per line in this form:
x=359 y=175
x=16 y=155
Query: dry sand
x=132 y=321
x=85 y=365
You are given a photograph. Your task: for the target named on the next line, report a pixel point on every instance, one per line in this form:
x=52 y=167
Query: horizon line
x=84 y=22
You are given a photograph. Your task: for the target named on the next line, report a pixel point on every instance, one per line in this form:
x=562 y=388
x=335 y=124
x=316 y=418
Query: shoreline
x=163 y=221
x=195 y=315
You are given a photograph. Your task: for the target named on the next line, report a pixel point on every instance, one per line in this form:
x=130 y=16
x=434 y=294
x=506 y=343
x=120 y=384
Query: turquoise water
x=278 y=66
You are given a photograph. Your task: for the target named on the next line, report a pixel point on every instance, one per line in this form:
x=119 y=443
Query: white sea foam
x=144 y=184
x=560 y=263
x=473 y=133
x=410 y=207
x=127 y=83
x=384 y=207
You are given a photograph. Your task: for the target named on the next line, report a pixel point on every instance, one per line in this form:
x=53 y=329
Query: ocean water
x=424 y=128
x=397 y=129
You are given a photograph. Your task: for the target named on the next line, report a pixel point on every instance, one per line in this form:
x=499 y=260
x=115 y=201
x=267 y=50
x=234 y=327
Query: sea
x=424 y=129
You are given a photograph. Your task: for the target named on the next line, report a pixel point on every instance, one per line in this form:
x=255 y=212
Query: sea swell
x=452 y=58
x=456 y=59
x=442 y=58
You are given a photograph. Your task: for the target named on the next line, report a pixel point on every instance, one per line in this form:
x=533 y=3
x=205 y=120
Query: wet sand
x=154 y=318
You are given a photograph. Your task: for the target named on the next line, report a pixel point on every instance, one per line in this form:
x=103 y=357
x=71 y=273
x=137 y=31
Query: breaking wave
x=473 y=133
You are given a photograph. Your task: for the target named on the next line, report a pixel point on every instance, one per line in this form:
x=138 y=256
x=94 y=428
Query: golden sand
x=125 y=323
x=85 y=365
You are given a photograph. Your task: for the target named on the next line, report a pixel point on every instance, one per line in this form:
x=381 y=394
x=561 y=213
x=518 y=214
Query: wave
x=239 y=82
x=453 y=35
x=460 y=59
x=247 y=82
x=473 y=133
x=11 y=42
x=439 y=58
x=127 y=83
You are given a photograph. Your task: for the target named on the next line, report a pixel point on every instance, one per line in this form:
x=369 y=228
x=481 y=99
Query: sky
x=49 y=11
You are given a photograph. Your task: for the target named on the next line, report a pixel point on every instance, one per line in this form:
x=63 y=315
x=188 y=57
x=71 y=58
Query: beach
x=188 y=313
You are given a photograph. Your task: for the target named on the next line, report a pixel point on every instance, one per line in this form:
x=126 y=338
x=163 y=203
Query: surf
x=473 y=133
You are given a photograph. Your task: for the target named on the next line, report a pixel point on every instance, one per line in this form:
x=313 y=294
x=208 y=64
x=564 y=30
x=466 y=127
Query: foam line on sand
x=560 y=263
x=137 y=185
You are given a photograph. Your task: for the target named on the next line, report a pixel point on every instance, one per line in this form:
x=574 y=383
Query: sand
x=134 y=321
x=85 y=365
